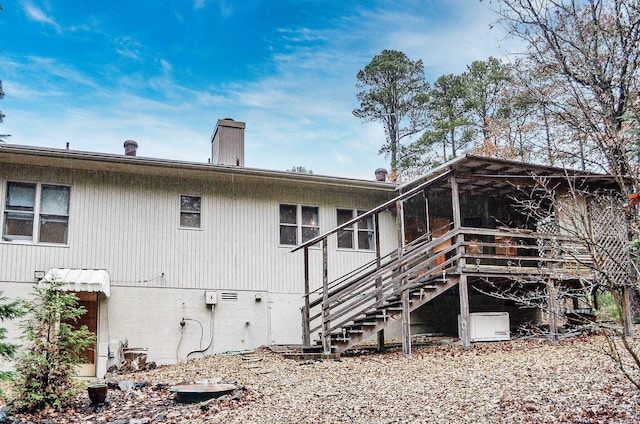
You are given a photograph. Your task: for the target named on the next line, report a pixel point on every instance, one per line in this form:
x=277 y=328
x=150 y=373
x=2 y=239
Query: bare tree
x=592 y=50
x=587 y=226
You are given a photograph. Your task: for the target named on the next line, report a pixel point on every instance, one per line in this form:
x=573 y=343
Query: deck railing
x=486 y=253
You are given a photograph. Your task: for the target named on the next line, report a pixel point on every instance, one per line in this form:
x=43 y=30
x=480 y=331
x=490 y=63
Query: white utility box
x=211 y=297
x=488 y=326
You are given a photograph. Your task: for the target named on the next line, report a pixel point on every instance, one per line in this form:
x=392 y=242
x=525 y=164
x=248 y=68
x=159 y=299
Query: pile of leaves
x=524 y=380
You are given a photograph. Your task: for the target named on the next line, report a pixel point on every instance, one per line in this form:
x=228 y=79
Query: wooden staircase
x=365 y=301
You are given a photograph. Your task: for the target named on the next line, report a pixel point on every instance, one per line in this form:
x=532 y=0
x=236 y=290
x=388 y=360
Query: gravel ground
x=522 y=381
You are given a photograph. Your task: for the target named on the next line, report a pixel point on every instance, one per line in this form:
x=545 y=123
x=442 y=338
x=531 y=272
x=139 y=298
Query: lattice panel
x=610 y=233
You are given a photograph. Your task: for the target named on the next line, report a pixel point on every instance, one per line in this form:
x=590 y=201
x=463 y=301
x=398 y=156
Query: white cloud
x=225 y=8
x=199 y=4
x=36 y=14
x=166 y=66
x=300 y=35
x=298 y=115
x=128 y=47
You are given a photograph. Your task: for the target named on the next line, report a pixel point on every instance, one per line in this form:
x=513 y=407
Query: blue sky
x=95 y=74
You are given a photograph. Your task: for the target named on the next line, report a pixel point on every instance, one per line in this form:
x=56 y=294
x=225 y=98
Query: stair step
x=378 y=314
x=352 y=330
x=431 y=287
x=362 y=323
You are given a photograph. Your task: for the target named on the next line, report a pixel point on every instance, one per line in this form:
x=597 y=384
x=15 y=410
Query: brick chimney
x=130 y=148
x=227 y=143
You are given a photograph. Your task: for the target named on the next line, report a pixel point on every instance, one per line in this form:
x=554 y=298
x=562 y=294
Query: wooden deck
x=363 y=302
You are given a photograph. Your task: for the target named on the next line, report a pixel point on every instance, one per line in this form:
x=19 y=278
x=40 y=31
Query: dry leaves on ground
x=522 y=381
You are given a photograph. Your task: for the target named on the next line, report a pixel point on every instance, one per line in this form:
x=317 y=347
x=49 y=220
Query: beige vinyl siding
x=129 y=225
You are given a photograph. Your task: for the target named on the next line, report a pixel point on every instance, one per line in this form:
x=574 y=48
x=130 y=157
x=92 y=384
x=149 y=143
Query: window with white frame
x=360 y=236
x=190 y=211
x=298 y=222
x=36 y=213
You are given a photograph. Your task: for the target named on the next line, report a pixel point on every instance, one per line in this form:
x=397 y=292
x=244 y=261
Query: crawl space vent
x=229 y=296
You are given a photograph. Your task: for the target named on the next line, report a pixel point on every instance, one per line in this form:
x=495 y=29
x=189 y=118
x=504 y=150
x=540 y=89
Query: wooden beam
x=455 y=202
x=457 y=220
x=376 y=229
x=406 y=311
x=406 y=324
x=552 y=309
x=306 y=332
x=627 y=318
x=400 y=226
x=326 y=324
x=463 y=289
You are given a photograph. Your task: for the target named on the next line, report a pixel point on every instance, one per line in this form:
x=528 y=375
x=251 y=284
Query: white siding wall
x=128 y=225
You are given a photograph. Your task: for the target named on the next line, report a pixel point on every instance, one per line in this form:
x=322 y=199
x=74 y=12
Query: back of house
x=175 y=259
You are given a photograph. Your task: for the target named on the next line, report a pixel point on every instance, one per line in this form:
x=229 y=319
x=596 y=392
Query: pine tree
x=8 y=310
x=49 y=361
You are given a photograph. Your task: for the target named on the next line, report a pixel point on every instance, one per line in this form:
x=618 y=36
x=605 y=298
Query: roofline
x=137 y=161
x=452 y=164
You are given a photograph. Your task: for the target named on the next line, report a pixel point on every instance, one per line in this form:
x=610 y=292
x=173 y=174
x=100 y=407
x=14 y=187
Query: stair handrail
x=343 y=280
x=386 y=205
x=388 y=281
x=391 y=290
x=410 y=255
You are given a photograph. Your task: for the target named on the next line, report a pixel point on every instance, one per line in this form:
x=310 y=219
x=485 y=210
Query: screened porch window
x=40 y=209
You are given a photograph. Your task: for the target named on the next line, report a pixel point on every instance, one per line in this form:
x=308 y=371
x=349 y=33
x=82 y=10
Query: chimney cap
x=130 y=148
x=229 y=122
x=381 y=174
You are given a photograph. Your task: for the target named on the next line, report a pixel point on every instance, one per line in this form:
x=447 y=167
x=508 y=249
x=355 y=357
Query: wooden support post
x=400 y=226
x=326 y=323
x=457 y=219
x=376 y=229
x=406 y=324
x=406 y=307
x=465 y=336
x=596 y=301
x=306 y=331
x=553 y=309
x=463 y=289
x=627 y=318
x=455 y=202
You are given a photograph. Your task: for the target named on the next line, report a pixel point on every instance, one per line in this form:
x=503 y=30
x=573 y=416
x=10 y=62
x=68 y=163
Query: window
x=40 y=209
x=360 y=237
x=190 y=208
x=298 y=223
x=345 y=236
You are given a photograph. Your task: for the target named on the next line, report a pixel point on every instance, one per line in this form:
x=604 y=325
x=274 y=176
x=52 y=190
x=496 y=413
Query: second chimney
x=130 y=148
x=227 y=143
x=381 y=174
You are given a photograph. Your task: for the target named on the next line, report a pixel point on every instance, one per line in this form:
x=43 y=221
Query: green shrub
x=608 y=309
x=8 y=310
x=50 y=359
